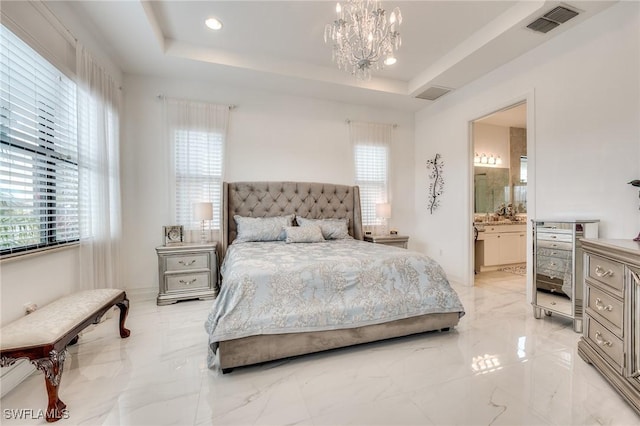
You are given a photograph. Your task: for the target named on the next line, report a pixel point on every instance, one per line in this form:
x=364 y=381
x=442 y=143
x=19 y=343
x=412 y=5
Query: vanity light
x=484 y=159
x=499 y=160
x=492 y=159
x=213 y=23
x=476 y=158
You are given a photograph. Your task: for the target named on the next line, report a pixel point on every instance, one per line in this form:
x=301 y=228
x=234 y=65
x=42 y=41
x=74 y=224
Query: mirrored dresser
x=611 y=338
x=557 y=267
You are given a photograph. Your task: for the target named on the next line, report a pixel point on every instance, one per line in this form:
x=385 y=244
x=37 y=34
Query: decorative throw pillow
x=261 y=228
x=332 y=229
x=306 y=234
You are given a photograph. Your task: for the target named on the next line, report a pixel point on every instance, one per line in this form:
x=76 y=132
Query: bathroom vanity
x=500 y=244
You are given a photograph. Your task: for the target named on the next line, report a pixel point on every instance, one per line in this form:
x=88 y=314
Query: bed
x=283 y=297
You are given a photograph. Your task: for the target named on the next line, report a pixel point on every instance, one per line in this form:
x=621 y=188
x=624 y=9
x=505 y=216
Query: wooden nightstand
x=390 y=240
x=187 y=271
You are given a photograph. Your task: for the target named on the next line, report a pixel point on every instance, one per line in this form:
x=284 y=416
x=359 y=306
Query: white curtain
x=196 y=133
x=98 y=100
x=372 y=154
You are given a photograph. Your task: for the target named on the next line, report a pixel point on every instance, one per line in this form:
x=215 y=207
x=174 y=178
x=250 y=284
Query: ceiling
x=515 y=116
x=278 y=45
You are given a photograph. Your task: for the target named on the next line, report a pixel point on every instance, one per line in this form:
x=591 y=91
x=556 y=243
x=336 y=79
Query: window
x=198 y=167
x=197 y=134
x=38 y=150
x=371 y=148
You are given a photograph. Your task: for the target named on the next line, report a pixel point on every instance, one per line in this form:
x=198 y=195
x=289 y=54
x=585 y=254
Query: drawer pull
x=600 y=341
x=188 y=282
x=189 y=263
x=601 y=306
x=553 y=236
x=602 y=273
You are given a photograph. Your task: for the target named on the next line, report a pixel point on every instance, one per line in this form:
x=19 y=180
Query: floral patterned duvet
x=274 y=287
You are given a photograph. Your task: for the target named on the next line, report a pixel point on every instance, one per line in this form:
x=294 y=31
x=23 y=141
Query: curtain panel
x=371 y=144
x=196 y=134
x=98 y=100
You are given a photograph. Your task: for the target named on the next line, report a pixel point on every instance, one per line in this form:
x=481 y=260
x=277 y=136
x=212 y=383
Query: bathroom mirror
x=491 y=188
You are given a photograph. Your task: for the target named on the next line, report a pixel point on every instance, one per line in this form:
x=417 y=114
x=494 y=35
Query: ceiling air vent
x=433 y=93
x=552 y=19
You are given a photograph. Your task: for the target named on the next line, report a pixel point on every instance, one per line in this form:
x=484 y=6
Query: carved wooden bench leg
x=52 y=368
x=124 y=311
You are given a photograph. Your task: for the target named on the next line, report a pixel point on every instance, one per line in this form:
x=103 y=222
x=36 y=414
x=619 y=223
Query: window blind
x=371 y=149
x=38 y=146
x=198 y=168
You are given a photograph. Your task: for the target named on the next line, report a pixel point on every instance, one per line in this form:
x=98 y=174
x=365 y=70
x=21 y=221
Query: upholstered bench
x=43 y=335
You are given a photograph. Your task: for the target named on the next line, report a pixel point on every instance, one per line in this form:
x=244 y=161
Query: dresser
x=557 y=267
x=390 y=240
x=611 y=338
x=187 y=271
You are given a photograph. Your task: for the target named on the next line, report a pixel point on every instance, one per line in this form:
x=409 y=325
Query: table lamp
x=203 y=211
x=383 y=211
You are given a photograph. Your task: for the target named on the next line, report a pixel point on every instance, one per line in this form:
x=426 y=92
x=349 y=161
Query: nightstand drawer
x=188 y=262
x=606 y=342
x=607 y=272
x=602 y=305
x=185 y=282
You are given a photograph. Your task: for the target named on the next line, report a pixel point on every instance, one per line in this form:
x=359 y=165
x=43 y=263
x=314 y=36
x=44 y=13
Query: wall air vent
x=552 y=19
x=433 y=93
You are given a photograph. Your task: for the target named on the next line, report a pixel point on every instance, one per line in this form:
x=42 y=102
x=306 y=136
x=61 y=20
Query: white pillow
x=261 y=228
x=332 y=229
x=303 y=234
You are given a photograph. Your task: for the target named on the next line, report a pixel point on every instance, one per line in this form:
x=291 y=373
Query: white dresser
x=611 y=338
x=187 y=271
x=557 y=267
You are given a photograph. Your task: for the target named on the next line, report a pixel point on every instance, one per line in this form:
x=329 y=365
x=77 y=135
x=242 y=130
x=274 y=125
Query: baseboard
x=142 y=293
x=14 y=375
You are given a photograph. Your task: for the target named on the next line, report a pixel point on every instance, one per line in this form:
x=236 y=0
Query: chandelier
x=363 y=38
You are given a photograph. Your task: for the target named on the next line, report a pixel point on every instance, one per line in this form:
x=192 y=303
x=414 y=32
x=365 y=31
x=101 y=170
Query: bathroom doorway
x=499 y=193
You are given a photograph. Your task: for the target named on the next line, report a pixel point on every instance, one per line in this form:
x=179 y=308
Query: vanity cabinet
x=611 y=338
x=500 y=245
x=557 y=267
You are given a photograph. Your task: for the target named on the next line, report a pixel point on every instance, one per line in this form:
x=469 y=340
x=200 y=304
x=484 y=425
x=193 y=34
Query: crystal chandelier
x=363 y=38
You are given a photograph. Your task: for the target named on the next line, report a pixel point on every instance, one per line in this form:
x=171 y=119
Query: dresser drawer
x=186 y=282
x=602 y=305
x=555 y=245
x=187 y=262
x=607 y=272
x=555 y=252
x=606 y=342
x=553 y=267
x=555 y=236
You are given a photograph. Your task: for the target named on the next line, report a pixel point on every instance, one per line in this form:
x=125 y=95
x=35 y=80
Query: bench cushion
x=51 y=322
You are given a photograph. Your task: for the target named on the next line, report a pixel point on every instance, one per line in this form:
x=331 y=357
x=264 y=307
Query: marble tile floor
x=500 y=366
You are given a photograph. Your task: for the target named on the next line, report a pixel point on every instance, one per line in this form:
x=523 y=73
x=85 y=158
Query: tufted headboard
x=305 y=199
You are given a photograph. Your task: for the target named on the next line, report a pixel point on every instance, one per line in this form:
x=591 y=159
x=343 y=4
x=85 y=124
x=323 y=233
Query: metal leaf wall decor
x=436 y=187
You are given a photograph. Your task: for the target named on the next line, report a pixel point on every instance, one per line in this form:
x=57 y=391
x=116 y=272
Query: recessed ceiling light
x=213 y=23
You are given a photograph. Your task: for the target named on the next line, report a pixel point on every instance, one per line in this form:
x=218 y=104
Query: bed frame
x=314 y=201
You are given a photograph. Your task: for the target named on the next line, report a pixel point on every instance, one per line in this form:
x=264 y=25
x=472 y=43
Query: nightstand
x=390 y=240
x=187 y=271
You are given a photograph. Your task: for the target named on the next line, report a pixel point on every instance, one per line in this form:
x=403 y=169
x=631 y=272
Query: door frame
x=529 y=99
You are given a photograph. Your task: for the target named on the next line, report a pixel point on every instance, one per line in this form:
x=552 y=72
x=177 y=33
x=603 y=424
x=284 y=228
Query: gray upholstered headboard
x=305 y=199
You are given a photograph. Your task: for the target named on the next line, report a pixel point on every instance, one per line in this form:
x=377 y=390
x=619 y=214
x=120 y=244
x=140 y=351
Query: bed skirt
x=256 y=349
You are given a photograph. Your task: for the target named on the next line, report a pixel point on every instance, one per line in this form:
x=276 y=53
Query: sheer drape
x=196 y=132
x=99 y=184
x=372 y=151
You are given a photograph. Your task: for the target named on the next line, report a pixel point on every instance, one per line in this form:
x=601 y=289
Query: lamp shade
x=203 y=211
x=383 y=210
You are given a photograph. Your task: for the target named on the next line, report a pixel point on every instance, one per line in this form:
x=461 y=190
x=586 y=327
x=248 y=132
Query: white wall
x=584 y=146
x=270 y=137
x=492 y=140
